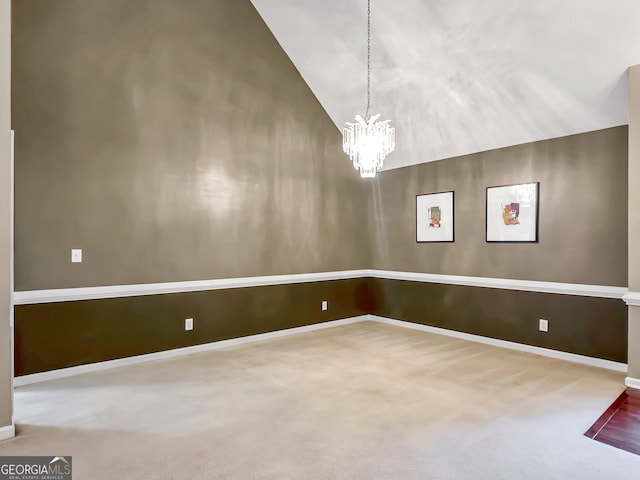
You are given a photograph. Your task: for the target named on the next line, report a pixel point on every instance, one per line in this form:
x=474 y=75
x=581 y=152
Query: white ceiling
x=463 y=76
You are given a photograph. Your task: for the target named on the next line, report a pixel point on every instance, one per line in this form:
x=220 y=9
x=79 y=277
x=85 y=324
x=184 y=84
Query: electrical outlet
x=325 y=305
x=188 y=323
x=76 y=255
x=543 y=325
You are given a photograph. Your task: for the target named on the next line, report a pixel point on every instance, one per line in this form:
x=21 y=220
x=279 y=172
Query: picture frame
x=512 y=213
x=435 y=217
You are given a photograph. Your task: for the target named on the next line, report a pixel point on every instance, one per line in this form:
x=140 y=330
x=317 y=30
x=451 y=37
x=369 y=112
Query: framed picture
x=512 y=213
x=434 y=217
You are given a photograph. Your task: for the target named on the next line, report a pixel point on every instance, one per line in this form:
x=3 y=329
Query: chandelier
x=366 y=142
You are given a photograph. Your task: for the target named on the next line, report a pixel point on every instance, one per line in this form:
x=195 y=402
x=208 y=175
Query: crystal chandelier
x=366 y=142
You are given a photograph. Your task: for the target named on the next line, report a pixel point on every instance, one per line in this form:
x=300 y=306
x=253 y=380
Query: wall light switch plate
x=325 y=305
x=76 y=255
x=188 y=323
x=544 y=325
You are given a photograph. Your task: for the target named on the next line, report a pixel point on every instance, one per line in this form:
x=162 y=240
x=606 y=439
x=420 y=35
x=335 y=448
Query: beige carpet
x=362 y=401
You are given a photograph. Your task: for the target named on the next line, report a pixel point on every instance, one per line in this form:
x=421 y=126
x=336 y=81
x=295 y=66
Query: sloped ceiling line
x=460 y=76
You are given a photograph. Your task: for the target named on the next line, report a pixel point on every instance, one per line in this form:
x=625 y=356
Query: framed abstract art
x=434 y=217
x=512 y=213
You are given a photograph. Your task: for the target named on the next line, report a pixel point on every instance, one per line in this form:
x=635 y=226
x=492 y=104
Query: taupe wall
x=634 y=178
x=634 y=218
x=6 y=394
x=171 y=141
x=634 y=342
x=187 y=146
x=583 y=217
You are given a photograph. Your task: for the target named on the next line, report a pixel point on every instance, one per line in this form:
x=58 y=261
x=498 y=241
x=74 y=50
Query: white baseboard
x=545 y=352
x=7 y=432
x=632 y=382
x=177 y=352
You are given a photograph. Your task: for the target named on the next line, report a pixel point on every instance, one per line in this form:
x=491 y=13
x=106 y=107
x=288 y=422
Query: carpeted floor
x=361 y=401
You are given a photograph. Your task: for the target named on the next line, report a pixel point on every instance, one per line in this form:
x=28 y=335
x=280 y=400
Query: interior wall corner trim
x=521 y=347
x=31 y=297
x=7 y=432
x=632 y=382
x=632 y=299
x=584 y=290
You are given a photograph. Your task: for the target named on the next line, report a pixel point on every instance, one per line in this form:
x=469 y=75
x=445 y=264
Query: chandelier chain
x=368 y=58
x=368 y=141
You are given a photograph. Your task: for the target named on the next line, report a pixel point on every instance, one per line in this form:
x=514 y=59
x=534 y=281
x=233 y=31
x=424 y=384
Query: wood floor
x=619 y=425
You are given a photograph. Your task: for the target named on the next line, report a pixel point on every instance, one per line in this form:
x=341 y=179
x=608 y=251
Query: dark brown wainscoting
x=595 y=327
x=58 y=335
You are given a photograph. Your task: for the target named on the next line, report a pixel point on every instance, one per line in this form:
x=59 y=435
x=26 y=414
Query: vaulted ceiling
x=463 y=76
